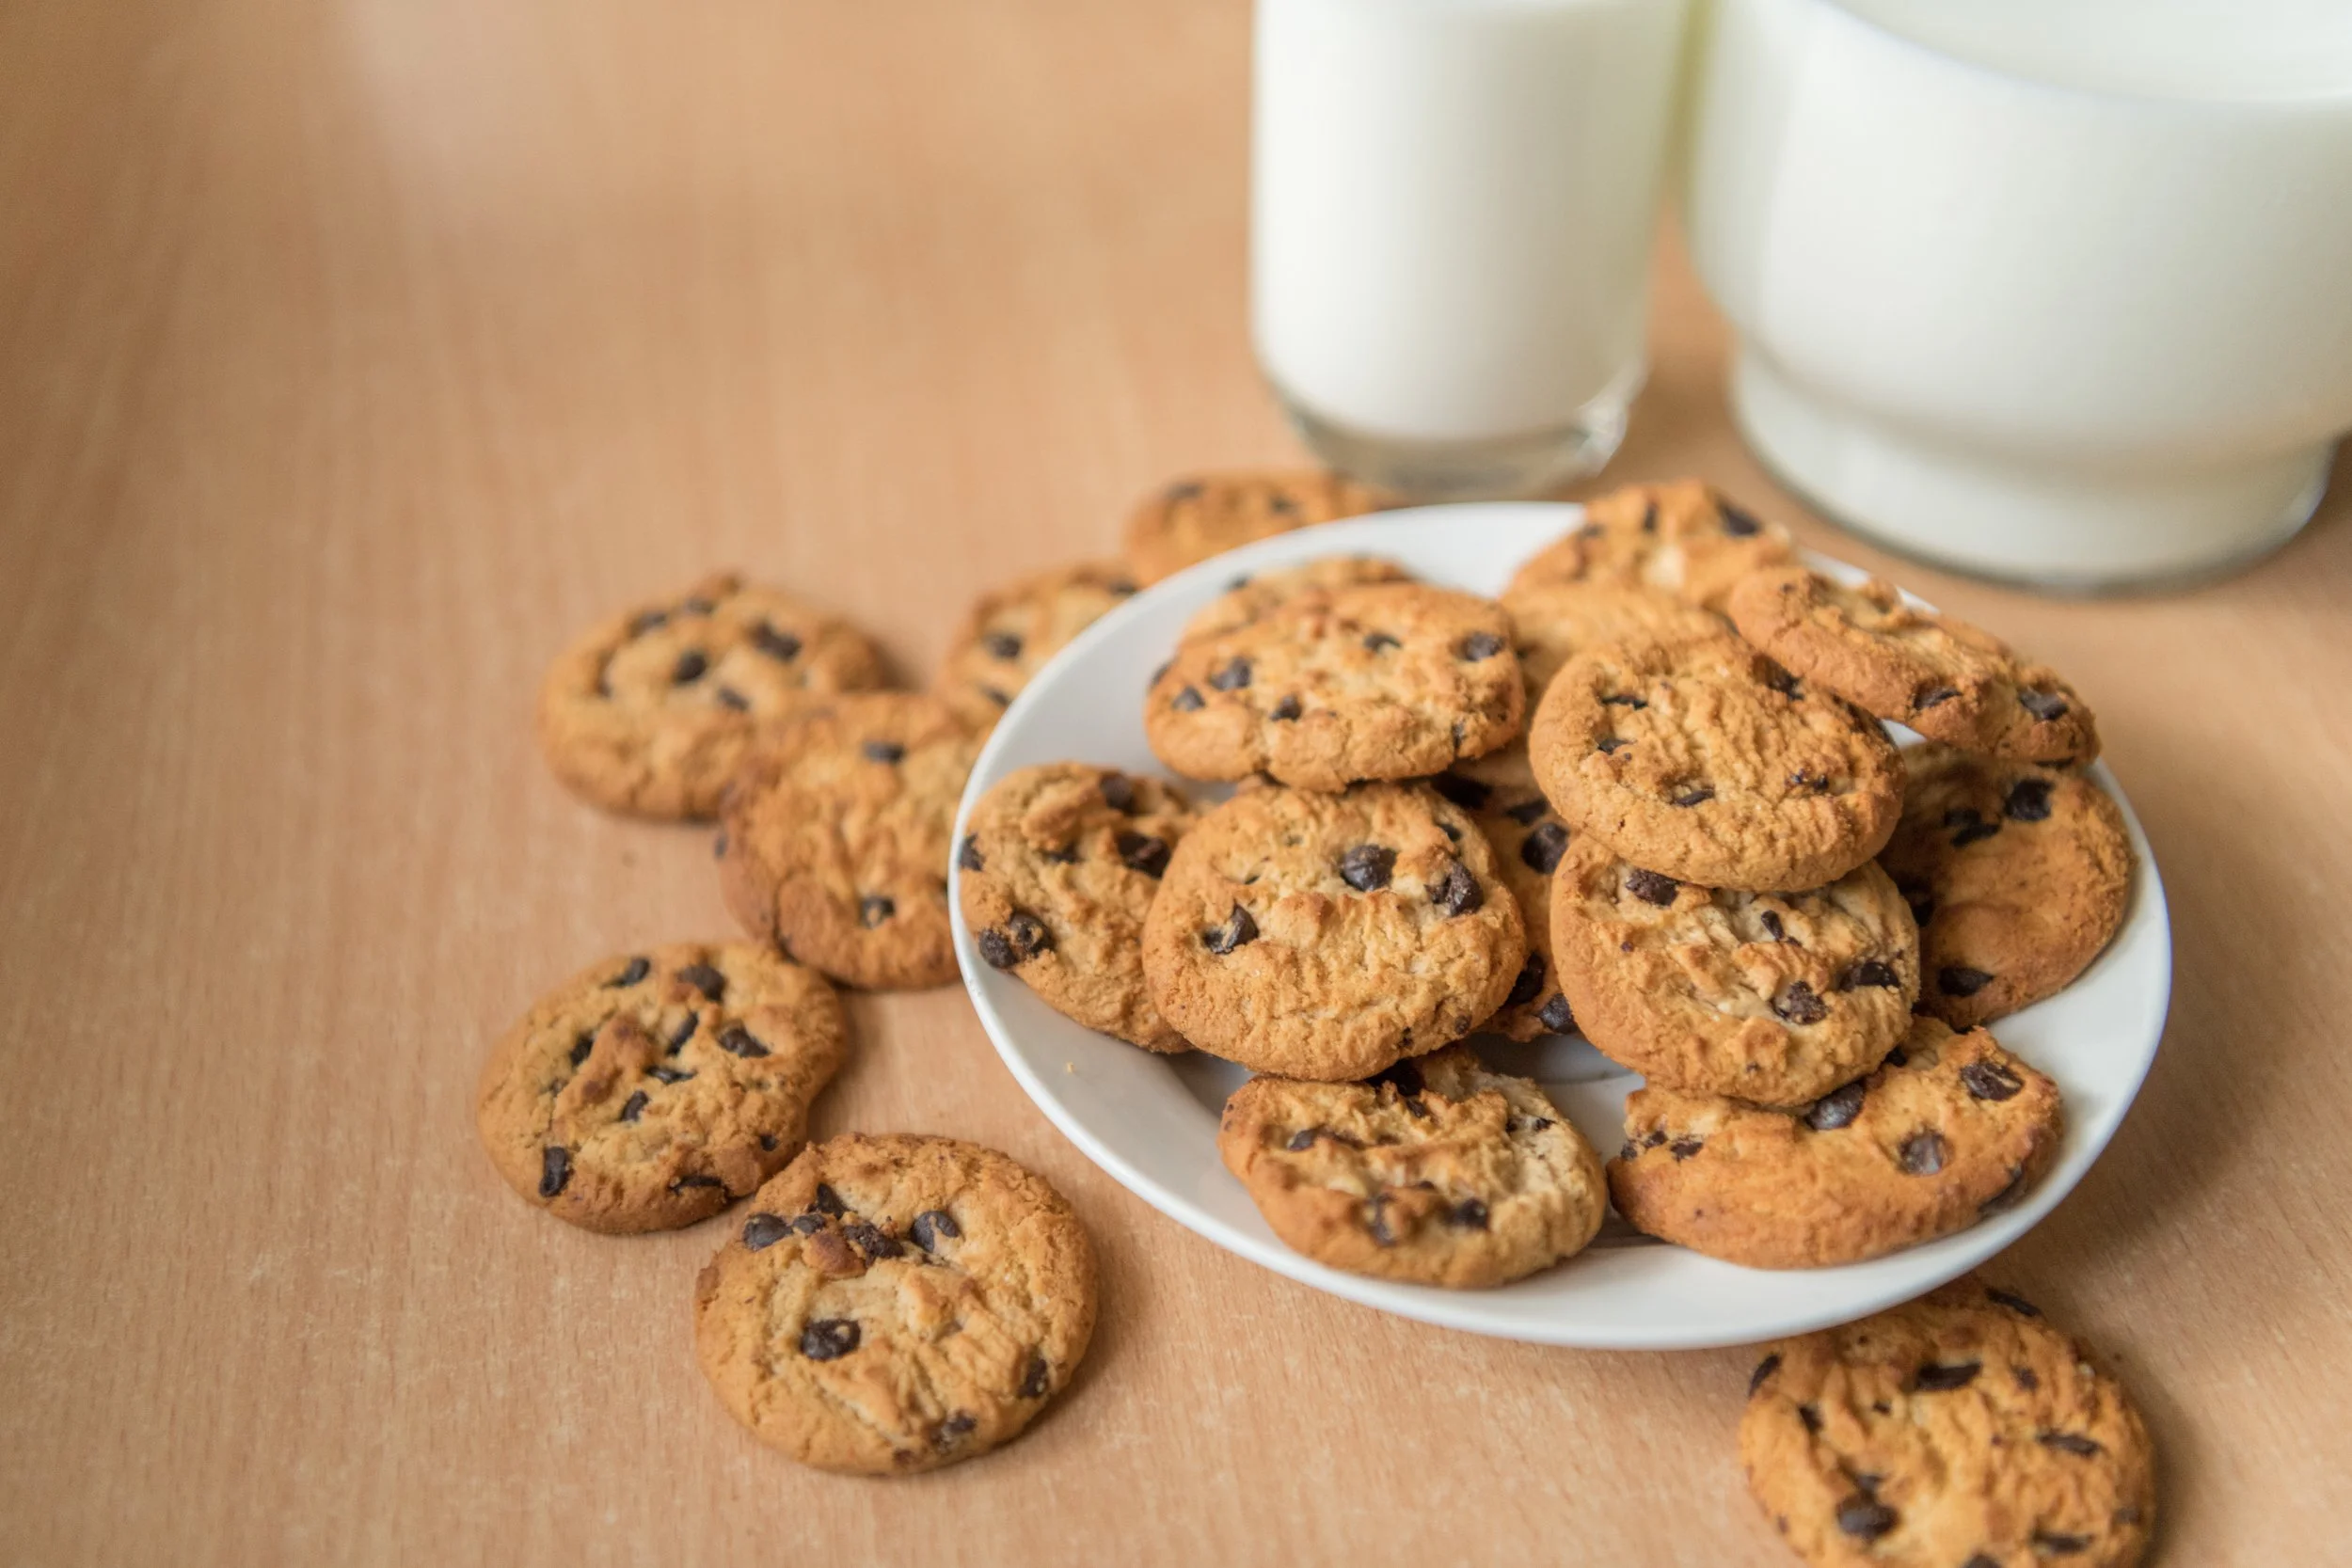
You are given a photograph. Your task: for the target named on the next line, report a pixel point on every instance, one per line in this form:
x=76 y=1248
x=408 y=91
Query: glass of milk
x=1452 y=209
x=2057 y=291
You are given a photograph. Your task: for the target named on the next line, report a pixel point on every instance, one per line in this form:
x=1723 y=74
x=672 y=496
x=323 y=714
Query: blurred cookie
x=1208 y=514
x=1499 y=792
x=1557 y=619
x=1683 y=538
x=1014 y=629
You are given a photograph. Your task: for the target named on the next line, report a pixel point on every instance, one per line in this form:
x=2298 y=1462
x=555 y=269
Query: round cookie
x=1772 y=997
x=654 y=710
x=1558 y=619
x=1941 y=676
x=895 y=1304
x=1325 y=935
x=651 y=1091
x=1959 y=1431
x=1705 y=762
x=1438 y=1172
x=836 y=838
x=1528 y=837
x=1950 y=1130
x=1683 y=538
x=1371 y=681
x=1057 y=870
x=1208 y=514
x=1251 y=598
x=2018 y=876
x=1014 y=629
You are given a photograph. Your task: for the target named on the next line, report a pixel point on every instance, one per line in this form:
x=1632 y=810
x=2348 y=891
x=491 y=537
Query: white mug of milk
x=2058 y=290
x=1452 y=209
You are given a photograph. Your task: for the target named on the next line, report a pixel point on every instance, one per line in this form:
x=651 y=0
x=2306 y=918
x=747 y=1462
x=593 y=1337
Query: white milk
x=2058 y=290
x=1452 y=215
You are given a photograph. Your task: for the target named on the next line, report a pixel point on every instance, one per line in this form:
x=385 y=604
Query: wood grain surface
x=353 y=356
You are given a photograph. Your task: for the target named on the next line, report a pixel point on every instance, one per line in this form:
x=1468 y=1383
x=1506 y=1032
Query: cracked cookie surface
x=1683 y=537
x=1013 y=630
x=1198 y=515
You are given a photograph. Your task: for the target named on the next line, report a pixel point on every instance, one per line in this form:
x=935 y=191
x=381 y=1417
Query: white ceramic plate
x=1151 y=1120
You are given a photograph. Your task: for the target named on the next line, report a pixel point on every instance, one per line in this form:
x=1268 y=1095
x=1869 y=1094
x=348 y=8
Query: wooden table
x=352 y=356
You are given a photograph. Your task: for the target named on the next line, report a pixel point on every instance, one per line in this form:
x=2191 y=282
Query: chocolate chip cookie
x=1951 y=1128
x=1959 y=1431
x=2018 y=876
x=1684 y=538
x=1947 y=679
x=1057 y=870
x=836 y=838
x=1774 y=997
x=653 y=1091
x=1374 y=681
x=654 y=710
x=1438 y=1172
x=1528 y=837
x=1208 y=514
x=1705 y=762
x=890 y=1304
x=1251 y=598
x=1325 y=935
x=1014 y=629
x=1558 y=619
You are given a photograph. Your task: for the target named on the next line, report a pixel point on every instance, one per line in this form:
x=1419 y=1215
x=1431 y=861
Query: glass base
x=1503 y=468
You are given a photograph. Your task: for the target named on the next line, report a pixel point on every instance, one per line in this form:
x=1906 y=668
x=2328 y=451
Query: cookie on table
x=1249 y=598
x=651 y=1091
x=1058 y=868
x=1951 y=1128
x=653 y=711
x=836 y=838
x=1683 y=538
x=1371 y=681
x=894 y=1304
x=1948 y=680
x=1202 y=515
x=1438 y=1172
x=1963 y=1430
x=2018 y=876
x=1774 y=997
x=1325 y=936
x=1558 y=619
x=1014 y=629
x=1528 y=837
x=1707 y=762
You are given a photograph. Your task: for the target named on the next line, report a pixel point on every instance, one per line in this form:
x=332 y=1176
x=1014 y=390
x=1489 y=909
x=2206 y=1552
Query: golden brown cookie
x=654 y=710
x=836 y=838
x=2018 y=876
x=895 y=1304
x=1251 y=598
x=1528 y=837
x=1683 y=538
x=1438 y=1172
x=1950 y=1130
x=1374 y=681
x=1208 y=514
x=1937 y=673
x=1558 y=619
x=1959 y=1431
x=1014 y=629
x=1704 y=761
x=1056 y=872
x=649 y=1092
x=1774 y=997
x=1325 y=935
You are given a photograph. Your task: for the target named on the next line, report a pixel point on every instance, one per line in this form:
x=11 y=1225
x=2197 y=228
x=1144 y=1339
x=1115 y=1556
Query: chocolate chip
x=1468 y=1214
x=930 y=1224
x=555 y=1168
x=1695 y=797
x=1979 y=1559
x=1611 y=744
x=2014 y=1302
x=1956 y=981
x=1529 y=1124
x=953 y=1430
x=1404 y=1077
x=1738 y=523
x=1543 y=847
x=1932 y=696
x=1469 y=794
x=641 y=624
x=1530 y=982
x=691 y=667
x=1556 y=1017
x=968 y=853
x=1649 y=517
x=1651 y=888
x=1186 y=701
x=634 y=1107
x=683 y=1182
x=729 y=697
x=1686 y=1145
x=2044 y=705
x=1023 y=937
x=719 y=845
x=2026 y=1378
x=1779 y=679
x=1237 y=930
x=1805 y=779
x=1034 y=1379
x=1119 y=588
x=1377 y=642
x=808 y=1225
x=1990 y=1081
x=2069 y=1442
x=1281 y=505
x=736 y=1040
x=829 y=1338
x=1143 y=852
x=1811 y=1415
x=1066 y=855
x=1481 y=644
x=827 y=1201
x=775 y=644
x=1001 y=698
x=883 y=750
x=1864 y=1518
x=768 y=1142
x=872 y=1240
x=1119 y=792
x=1923 y=1153
x=1233 y=676
x=1459 y=892
x=1764 y=1368
x=2028 y=800
x=1302 y=1140
x=1376 y=1220
x=873 y=909
x=583 y=1044
x=1183 y=490
x=1654 y=1137
x=2007 y=1196
x=704 y=979
x=667 y=1074
x=1873 y=973
x=1799 y=1005
x=1367 y=867
x=1837 y=1108
x=1001 y=644
x=1772 y=927
x=762 y=1231
x=1620 y=700
x=638 y=969
x=1972 y=828
x=2058 y=1544
x=1287 y=708
x=1527 y=813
